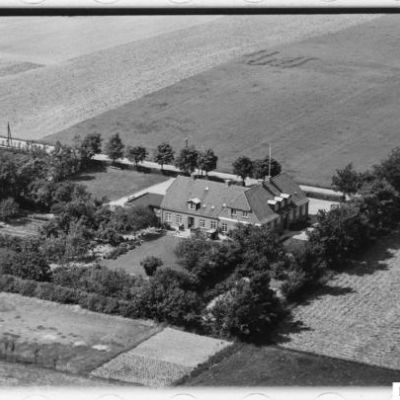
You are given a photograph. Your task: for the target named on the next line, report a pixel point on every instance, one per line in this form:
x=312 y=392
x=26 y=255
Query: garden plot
x=162 y=359
x=64 y=338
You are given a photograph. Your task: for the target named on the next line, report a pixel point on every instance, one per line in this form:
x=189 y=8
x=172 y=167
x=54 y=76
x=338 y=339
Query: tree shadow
x=377 y=257
x=285 y=328
x=84 y=178
x=325 y=290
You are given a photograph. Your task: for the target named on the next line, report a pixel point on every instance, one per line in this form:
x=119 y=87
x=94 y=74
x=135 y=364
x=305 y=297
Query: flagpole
x=269 y=162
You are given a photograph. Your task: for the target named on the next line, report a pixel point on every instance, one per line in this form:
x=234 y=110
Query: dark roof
x=287 y=185
x=147 y=200
x=258 y=198
x=218 y=198
x=213 y=196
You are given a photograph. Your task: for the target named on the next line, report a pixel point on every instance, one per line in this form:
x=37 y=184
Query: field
x=21 y=227
x=115 y=183
x=322 y=101
x=162 y=247
x=15 y=374
x=273 y=366
x=65 y=338
x=162 y=359
x=106 y=62
x=356 y=317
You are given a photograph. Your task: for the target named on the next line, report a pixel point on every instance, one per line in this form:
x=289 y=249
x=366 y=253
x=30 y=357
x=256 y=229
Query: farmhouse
x=197 y=203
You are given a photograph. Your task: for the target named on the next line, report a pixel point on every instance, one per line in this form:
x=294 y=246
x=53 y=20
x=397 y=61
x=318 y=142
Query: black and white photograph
x=200 y=200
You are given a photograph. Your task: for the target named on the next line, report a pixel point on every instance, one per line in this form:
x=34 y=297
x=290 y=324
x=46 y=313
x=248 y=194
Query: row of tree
x=189 y=159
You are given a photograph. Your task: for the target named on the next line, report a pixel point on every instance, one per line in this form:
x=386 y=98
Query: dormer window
x=194 y=204
x=233 y=212
x=245 y=214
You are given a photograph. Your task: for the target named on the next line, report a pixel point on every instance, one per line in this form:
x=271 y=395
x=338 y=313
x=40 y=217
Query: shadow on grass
x=377 y=257
x=286 y=327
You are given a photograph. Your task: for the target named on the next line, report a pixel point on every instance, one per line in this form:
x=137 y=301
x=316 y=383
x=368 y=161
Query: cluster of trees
x=258 y=169
x=30 y=180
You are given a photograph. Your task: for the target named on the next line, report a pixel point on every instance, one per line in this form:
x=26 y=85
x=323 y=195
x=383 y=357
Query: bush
x=170 y=297
x=249 y=310
x=151 y=264
x=9 y=209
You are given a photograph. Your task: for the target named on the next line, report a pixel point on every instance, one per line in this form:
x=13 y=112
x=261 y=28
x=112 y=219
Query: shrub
x=249 y=310
x=9 y=208
x=151 y=264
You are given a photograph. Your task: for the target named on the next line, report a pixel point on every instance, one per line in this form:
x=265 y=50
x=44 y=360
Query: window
x=213 y=224
x=178 y=219
x=245 y=214
x=168 y=216
x=224 y=227
x=233 y=212
x=192 y=206
x=202 y=223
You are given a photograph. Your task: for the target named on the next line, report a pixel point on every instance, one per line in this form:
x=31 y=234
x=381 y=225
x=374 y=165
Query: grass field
x=92 y=65
x=273 y=366
x=115 y=183
x=64 y=338
x=321 y=102
x=162 y=247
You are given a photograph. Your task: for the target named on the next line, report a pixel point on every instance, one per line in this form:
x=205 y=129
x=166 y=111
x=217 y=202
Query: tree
x=347 y=180
x=390 y=168
x=261 y=168
x=9 y=208
x=151 y=264
x=243 y=167
x=114 y=148
x=339 y=233
x=164 y=154
x=207 y=161
x=249 y=310
x=88 y=147
x=136 y=154
x=257 y=239
x=170 y=297
x=187 y=159
x=64 y=162
x=26 y=264
x=380 y=204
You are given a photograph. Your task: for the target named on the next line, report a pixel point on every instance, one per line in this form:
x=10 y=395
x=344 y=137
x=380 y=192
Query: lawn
x=65 y=338
x=115 y=183
x=321 y=102
x=162 y=247
x=250 y=365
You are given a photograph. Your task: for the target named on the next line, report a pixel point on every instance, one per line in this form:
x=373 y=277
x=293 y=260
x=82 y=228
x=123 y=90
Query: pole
x=9 y=138
x=269 y=162
x=186 y=142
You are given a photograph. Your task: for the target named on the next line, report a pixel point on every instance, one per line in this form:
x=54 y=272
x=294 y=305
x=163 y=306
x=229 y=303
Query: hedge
x=64 y=295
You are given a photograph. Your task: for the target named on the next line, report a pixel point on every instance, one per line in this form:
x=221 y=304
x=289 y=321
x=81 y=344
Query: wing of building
x=208 y=205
